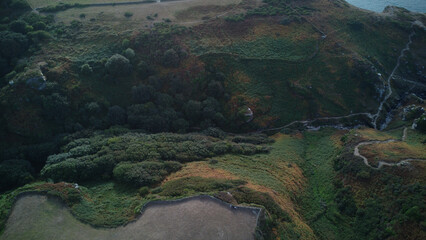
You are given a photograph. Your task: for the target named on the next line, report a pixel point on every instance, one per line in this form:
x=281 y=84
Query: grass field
x=413 y=147
x=297 y=173
x=144 y=15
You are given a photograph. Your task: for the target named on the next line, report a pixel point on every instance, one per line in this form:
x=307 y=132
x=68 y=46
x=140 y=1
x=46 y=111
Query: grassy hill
x=153 y=102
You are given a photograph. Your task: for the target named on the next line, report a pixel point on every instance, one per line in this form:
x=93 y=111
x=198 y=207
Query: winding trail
x=388 y=82
x=374 y=117
x=384 y=163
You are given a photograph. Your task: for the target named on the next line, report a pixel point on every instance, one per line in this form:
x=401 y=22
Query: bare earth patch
x=203 y=217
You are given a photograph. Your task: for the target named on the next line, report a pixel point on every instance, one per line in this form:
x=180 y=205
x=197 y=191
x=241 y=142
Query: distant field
x=156 y=12
x=44 y=3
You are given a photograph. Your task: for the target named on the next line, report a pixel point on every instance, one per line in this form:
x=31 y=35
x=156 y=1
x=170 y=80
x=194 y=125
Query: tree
x=15 y=173
x=143 y=93
x=18 y=26
x=19 y=4
x=421 y=124
x=215 y=89
x=39 y=36
x=180 y=125
x=164 y=100
x=4 y=66
x=144 y=70
x=155 y=82
x=86 y=69
x=129 y=53
x=171 y=58
x=193 y=110
x=117 y=65
x=55 y=106
x=116 y=115
x=39 y=25
x=12 y=44
x=139 y=115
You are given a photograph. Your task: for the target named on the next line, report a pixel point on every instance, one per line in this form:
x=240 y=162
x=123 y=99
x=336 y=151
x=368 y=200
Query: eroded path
x=203 y=217
x=384 y=163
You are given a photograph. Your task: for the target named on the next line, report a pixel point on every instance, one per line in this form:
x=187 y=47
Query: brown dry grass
x=372 y=134
x=392 y=152
x=294 y=183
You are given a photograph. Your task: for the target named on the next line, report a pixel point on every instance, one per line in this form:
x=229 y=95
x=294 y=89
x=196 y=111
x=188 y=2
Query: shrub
x=143 y=191
x=86 y=69
x=129 y=53
x=55 y=106
x=235 y=18
x=144 y=173
x=213 y=161
x=125 y=43
x=171 y=58
x=421 y=124
x=96 y=157
x=18 y=26
x=39 y=36
x=39 y=25
x=117 y=65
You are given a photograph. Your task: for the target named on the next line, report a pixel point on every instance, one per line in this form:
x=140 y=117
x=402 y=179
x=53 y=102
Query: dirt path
x=388 y=82
x=373 y=117
x=384 y=163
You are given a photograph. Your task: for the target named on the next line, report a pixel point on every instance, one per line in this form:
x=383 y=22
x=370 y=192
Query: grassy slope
x=318 y=199
x=298 y=169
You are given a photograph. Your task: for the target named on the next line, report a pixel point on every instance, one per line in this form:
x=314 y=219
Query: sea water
x=379 y=5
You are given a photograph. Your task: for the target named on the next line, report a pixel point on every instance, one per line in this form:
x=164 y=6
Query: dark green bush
x=86 y=69
x=117 y=65
x=96 y=157
x=39 y=25
x=144 y=173
x=12 y=44
x=15 y=173
x=171 y=58
x=129 y=53
x=143 y=191
x=19 y=4
x=143 y=93
x=39 y=36
x=18 y=26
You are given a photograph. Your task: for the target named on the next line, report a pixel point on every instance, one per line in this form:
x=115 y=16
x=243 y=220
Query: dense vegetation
x=108 y=117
